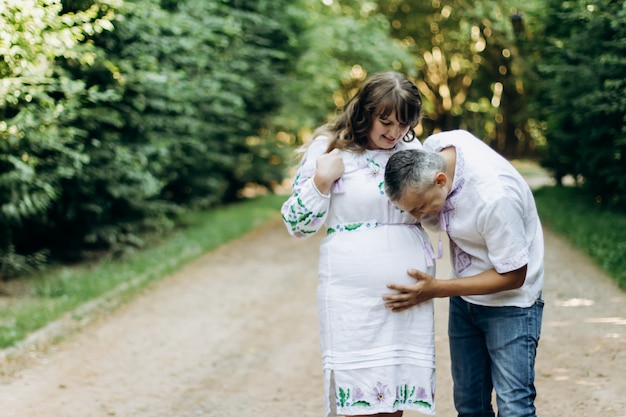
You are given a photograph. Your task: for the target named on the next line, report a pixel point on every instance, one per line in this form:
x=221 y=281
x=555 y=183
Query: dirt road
x=234 y=334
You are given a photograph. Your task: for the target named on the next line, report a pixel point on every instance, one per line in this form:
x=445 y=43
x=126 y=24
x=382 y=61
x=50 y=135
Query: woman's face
x=385 y=133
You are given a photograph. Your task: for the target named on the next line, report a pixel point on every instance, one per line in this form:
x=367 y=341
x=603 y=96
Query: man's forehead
x=411 y=197
x=415 y=196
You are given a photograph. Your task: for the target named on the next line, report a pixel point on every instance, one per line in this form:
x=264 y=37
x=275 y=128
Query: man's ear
x=441 y=179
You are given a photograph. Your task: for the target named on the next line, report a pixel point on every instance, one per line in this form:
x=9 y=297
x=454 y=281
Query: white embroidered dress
x=374 y=360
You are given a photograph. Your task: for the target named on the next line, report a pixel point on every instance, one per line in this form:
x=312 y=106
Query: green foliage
x=115 y=116
x=596 y=230
x=193 y=93
x=582 y=65
x=342 y=43
x=38 y=103
x=434 y=33
x=470 y=71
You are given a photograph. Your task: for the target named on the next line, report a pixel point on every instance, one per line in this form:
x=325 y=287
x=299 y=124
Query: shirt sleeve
x=503 y=228
x=306 y=209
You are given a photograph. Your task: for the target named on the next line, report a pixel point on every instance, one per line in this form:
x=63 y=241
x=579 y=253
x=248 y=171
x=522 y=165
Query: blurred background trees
x=578 y=57
x=116 y=115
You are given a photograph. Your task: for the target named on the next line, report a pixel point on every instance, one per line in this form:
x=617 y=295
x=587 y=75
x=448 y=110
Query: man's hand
x=410 y=295
x=427 y=287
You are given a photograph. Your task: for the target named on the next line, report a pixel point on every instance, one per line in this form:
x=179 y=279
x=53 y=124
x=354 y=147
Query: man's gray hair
x=413 y=169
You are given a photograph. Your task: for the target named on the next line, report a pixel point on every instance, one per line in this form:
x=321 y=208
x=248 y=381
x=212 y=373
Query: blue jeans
x=494 y=348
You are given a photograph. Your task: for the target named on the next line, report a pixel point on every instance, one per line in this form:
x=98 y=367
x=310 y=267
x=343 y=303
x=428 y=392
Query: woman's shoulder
x=320 y=142
x=315 y=147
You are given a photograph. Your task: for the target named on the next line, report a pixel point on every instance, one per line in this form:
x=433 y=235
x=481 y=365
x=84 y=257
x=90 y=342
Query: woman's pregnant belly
x=354 y=270
x=362 y=263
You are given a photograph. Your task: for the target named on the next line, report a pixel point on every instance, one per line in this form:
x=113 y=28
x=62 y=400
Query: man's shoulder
x=439 y=140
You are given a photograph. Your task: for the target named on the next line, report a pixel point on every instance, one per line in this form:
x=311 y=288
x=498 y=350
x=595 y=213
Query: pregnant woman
x=375 y=361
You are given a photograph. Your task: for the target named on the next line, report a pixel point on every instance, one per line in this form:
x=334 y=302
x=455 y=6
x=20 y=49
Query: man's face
x=428 y=203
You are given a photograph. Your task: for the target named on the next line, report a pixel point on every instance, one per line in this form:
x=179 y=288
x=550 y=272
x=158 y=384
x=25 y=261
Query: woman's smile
x=385 y=133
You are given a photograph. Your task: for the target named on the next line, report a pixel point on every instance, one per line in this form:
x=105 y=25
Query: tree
x=342 y=43
x=467 y=67
x=38 y=102
x=582 y=63
x=116 y=115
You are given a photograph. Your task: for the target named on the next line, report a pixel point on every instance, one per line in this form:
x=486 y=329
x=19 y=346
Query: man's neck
x=449 y=155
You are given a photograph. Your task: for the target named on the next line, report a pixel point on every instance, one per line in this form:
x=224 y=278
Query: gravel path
x=234 y=334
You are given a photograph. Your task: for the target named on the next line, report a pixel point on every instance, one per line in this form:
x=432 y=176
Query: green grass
x=595 y=230
x=57 y=291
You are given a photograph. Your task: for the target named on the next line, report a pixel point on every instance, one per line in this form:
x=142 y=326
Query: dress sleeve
x=306 y=209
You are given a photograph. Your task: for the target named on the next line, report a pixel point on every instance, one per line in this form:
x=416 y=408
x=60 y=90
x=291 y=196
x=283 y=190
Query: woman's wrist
x=323 y=186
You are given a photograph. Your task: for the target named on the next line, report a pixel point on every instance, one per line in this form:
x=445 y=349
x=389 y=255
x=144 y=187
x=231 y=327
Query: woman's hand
x=329 y=168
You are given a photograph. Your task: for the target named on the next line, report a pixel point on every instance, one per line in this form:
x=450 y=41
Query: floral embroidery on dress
x=351 y=227
x=404 y=396
x=301 y=220
x=374 y=171
x=381 y=187
x=345 y=399
x=306 y=210
x=381 y=394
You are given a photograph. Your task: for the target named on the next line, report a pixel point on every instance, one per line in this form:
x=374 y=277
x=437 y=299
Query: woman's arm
x=306 y=209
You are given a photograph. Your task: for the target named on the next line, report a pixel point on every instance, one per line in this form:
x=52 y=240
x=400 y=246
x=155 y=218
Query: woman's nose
x=394 y=131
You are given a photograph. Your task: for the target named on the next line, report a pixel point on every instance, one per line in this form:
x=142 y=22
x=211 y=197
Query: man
x=462 y=186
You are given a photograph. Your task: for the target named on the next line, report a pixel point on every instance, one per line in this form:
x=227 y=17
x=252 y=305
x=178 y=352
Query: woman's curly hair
x=381 y=95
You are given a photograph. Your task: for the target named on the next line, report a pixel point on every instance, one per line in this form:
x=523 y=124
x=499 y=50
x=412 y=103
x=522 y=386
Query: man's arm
x=427 y=287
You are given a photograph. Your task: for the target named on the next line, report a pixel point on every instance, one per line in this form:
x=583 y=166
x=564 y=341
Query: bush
x=117 y=115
